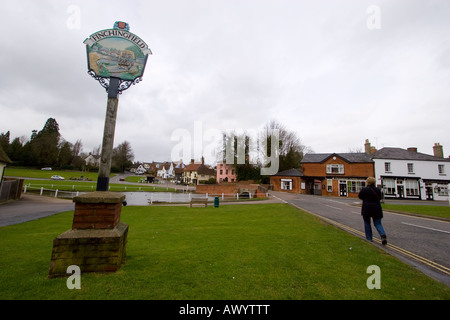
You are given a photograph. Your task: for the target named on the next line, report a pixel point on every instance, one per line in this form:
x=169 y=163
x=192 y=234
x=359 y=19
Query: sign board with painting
x=116 y=59
x=116 y=53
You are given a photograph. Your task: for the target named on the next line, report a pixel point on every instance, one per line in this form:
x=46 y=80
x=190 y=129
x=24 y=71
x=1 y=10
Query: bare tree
x=77 y=147
x=291 y=149
x=123 y=156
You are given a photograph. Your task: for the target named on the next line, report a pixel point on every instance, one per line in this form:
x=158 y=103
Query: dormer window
x=335 y=168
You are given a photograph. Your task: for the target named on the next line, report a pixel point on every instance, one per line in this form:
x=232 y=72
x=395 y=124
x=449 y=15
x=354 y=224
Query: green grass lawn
x=67 y=185
x=44 y=174
x=426 y=210
x=259 y=251
x=74 y=185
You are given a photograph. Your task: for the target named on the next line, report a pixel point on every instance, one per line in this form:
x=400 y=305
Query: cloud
x=313 y=66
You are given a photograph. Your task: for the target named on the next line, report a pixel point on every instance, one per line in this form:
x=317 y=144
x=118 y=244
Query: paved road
x=31 y=207
x=422 y=242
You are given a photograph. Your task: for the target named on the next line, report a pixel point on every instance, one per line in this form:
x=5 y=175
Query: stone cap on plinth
x=100 y=197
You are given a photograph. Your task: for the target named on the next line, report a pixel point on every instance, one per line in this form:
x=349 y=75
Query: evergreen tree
x=45 y=144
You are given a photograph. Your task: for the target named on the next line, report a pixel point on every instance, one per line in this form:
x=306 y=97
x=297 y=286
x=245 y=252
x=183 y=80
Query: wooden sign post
x=97 y=240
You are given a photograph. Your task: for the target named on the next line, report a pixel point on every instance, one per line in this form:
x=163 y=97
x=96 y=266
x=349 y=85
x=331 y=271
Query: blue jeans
x=368 y=228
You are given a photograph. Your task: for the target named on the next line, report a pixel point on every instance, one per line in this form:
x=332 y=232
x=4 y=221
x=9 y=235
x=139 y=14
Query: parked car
x=47 y=169
x=57 y=178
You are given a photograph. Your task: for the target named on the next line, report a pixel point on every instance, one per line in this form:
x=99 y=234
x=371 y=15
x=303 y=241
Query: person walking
x=371 y=208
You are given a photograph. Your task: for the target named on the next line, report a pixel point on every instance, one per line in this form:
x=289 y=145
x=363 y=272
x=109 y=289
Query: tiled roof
x=402 y=154
x=205 y=170
x=290 y=173
x=192 y=167
x=349 y=157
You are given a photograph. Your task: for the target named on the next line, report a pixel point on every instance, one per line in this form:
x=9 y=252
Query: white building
x=92 y=160
x=166 y=171
x=411 y=174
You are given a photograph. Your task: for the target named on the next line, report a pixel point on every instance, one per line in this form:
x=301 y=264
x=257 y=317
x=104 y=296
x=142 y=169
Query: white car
x=57 y=178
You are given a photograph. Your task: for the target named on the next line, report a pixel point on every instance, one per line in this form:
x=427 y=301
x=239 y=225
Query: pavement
x=32 y=207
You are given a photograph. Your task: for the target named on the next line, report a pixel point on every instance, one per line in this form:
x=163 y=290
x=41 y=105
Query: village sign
x=116 y=59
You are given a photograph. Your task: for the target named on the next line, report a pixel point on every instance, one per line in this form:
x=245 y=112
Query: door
x=342 y=188
x=429 y=192
x=400 y=192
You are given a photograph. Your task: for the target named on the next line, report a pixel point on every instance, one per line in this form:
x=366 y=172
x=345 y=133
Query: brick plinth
x=97 y=210
x=97 y=240
x=96 y=215
x=93 y=250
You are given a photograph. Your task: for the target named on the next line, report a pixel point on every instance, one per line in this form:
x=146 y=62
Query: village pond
x=146 y=198
x=142 y=198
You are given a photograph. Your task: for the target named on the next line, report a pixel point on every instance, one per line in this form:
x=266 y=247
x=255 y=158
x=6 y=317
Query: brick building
x=287 y=181
x=327 y=174
x=336 y=174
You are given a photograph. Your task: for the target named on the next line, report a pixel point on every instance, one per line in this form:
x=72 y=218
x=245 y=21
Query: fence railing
x=155 y=197
x=79 y=187
x=52 y=192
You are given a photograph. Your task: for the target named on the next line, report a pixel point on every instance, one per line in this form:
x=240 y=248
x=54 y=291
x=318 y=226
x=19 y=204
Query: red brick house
x=336 y=174
x=326 y=174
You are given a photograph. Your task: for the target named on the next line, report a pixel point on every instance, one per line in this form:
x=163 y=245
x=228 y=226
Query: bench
x=198 y=201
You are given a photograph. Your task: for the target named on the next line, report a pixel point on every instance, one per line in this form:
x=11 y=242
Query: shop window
x=329 y=185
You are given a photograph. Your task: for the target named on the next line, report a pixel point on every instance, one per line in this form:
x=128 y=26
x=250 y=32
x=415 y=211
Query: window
x=335 y=168
x=387 y=167
x=441 y=169
x=355 y=186
x=329 y=185
x=410 y=167
x=286 y=184
x=412 y=188
x=389 y=187
x=442 y=189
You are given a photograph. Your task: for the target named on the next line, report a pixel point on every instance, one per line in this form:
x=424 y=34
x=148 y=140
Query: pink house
x=225 y=173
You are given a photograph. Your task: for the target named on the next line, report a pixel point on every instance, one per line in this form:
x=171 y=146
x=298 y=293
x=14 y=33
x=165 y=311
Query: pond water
x=145 y=198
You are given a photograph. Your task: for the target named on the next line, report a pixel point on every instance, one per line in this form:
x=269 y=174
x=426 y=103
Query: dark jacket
x=371 y=206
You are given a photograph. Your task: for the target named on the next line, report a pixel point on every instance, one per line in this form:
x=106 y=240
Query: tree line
x=290 y=151
x=47 y=148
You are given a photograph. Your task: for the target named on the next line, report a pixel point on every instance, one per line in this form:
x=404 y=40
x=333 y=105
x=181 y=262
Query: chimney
x=367 y=147
x=413 y=149
x=438 y=150
x=203 y=160
x=192 y=161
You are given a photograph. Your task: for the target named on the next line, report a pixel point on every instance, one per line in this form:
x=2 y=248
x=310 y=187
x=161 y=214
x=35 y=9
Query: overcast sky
x=335 y=72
